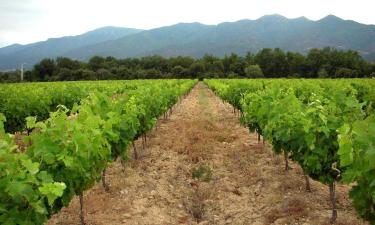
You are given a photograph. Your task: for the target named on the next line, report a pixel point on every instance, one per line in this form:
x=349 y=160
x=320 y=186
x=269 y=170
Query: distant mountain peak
x=14 y=45
x=12 y=56
x=273 y=17
x=331 y=17
x=302 y=18
x=110 y=28
x=187 y=25
x=195 y=39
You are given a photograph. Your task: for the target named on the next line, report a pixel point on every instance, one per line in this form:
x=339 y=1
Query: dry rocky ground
x=239 y=182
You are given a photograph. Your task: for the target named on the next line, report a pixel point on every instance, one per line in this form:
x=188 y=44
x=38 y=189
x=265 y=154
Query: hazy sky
x=26 y=21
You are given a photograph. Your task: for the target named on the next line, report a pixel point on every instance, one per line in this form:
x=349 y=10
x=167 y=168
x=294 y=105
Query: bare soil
x=242 y=181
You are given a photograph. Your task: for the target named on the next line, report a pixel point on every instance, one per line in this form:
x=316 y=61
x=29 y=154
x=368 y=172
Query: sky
x=27 y=21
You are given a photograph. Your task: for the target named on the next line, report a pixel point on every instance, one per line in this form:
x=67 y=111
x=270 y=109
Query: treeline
x=267 y=63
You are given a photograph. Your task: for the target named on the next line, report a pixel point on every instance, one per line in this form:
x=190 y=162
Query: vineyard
x=58 y=140
x=39 y=99
x=327 y=127
x=66 y=152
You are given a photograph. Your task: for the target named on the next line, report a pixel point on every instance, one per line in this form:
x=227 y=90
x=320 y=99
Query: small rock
x=127 y=215
x=124 y=192
x=237 y=192
x=194 y=183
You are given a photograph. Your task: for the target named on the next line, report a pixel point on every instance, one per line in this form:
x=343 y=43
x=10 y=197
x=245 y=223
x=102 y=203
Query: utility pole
x=22 y=71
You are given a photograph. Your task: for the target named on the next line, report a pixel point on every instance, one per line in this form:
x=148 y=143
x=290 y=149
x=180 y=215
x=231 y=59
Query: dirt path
x=240 y=180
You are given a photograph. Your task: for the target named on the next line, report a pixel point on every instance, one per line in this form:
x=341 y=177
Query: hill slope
x=270 y=31
x=195 y=39
x=12 y=56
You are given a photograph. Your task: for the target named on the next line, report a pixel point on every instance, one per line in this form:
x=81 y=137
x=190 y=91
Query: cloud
x=17 y=19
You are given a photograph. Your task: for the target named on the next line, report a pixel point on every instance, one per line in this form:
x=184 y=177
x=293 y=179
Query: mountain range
x=196 y=39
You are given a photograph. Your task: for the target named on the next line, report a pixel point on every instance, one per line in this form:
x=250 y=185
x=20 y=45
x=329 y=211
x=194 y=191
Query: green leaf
x=44 y=177
x=53 y=191
x=33 y=168
x=30 y=122
x=39 y=207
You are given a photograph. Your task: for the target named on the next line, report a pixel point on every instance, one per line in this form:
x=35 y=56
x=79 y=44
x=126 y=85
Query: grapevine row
x=18 y=101
x=326 y=126
x=68 y=152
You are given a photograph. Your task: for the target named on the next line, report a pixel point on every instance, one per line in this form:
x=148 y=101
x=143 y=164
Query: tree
x=238 y=67
x=45 y=69
x=123 y=72
x=84 y=74
x=184 y=61
x=316 y=58
x=229 y=63
x=196 y=69
x=272 y=62
x=333 y=60
x=296 y=63
x=213 y=66
x=218 y=68
x=279 y=63
x=322 y=73
x=131 y=63
x=63 y=62
x=104 y=74
x=209 y=59
x=64 y=74
x=232 y=75
x=372 y=70
x=254 y=71
x=235 y=64
x=326 y=62
x=153 y=74
x=177 y=71
x=96 y=62
x=250 y=58
x=345 y=73
x=10 y=76
x=154 y=62
x=29 y=76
